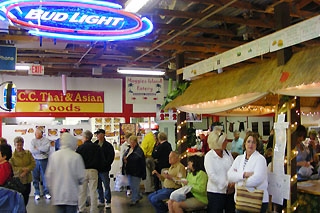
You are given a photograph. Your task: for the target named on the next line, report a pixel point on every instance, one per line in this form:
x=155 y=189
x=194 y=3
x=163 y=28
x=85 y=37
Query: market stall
x=263 y=88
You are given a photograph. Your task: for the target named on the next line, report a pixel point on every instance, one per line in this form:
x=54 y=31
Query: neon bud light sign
x=76 y=19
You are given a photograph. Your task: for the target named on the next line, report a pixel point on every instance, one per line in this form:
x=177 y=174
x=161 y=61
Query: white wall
x=310 y=120
x=236 y=122
x=112 y=87
x=169 y=129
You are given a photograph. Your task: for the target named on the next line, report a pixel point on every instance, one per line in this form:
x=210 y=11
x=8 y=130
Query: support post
x=181 y=117
x=282 y=20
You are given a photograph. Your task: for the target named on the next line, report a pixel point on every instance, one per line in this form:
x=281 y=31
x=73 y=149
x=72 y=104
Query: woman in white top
x=217 y=162
x=252 y=167
x=123 y=148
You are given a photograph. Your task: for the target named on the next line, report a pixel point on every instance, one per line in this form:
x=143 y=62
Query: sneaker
x=47 y=196
x=108 y=205
x=128 y=193
x=37 y=197
x=100 y=204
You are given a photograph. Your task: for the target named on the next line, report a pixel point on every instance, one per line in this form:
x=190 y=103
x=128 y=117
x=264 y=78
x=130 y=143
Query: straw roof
x=303 y=68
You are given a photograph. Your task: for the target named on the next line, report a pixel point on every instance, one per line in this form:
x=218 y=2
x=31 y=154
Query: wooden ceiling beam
x=253 y=7
x=215 y=31
x=303 y=3
x=203 y=40
x=227 y=19
x=84 y=61
x=238 y=4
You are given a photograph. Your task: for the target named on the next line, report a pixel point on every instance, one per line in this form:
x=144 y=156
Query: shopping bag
x=180 y=194
x=121 y=181
x=250 y=201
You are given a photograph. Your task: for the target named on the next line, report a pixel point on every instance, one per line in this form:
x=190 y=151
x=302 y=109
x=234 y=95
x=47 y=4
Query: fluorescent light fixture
x=22 y=67
x=134 y=6
x=140 y=71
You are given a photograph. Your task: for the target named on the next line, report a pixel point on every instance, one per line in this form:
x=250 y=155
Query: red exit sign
x=36 y=70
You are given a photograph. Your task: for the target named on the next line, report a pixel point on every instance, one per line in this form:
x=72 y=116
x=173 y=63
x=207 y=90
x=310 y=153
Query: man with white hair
x=40 y=148
x=237 y=143
x=64 y=175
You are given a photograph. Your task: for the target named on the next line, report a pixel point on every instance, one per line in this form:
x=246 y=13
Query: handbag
x=250 y=201
x=14 y=183
x=180 y=194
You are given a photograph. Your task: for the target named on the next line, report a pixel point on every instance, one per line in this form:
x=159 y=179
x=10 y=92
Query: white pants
x=91 y=179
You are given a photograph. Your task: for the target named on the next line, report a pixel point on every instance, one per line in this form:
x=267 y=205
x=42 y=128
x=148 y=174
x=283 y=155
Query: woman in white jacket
x=252 y=167
x=217 y=162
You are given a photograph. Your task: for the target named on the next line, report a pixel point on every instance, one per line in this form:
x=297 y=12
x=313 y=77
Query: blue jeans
x=156 y=199
x=41 y=166
x=104 y=177
x=66 y=209
x=134 y=183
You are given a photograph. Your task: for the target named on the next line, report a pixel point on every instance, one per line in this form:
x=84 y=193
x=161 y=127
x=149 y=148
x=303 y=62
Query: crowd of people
x=210 y=182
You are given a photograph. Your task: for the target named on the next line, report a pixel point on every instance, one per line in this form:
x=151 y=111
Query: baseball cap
x=100 y=131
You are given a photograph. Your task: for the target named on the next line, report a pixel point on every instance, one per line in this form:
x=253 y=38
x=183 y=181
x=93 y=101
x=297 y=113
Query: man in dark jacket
x=103 y=176
x=135 y=167
x=92 y=157
x=161 y=155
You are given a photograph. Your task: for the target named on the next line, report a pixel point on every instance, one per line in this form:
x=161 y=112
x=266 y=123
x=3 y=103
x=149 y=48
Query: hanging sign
x=170 y=115
x=76 y=19
x=54 y=101
x=36 y=70
x=8 y=58
x=141 y=90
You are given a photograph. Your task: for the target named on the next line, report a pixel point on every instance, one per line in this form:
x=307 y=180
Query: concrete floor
x=120 y=204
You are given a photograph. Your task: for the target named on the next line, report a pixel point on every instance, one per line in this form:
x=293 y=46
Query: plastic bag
x=121 y=181
x=180 y=194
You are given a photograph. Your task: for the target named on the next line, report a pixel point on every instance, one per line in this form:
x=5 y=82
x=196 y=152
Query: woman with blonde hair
x=135 y=168
x=217 y=162
x=23 y=163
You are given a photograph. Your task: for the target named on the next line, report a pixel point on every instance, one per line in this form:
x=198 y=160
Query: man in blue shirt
x=237 y=143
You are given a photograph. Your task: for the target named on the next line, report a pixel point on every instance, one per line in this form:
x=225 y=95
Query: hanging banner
x=8 y=58
x=143 y=90
x=54 y=101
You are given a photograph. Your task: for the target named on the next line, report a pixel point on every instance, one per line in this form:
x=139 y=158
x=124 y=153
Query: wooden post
x=181 y=117
x=289 y=150
x=282 y=20
x=295 y=115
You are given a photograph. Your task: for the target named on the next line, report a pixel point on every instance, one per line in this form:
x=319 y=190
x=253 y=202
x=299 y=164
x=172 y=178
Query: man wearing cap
x=92 y=157
x=40 y=147
x=103 y=176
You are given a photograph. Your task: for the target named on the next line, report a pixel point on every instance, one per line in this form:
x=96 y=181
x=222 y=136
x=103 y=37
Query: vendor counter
x=309 y=196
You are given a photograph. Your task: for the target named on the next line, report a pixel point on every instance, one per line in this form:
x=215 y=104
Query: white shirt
x=217 y=169
x=123 y=148
x=256 y=164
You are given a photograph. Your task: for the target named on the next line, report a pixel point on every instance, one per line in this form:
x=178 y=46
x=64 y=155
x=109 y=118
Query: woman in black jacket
x=135 y=168
x=161 y=156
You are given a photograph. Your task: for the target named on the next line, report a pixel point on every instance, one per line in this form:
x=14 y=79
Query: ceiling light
x=22 y=67
x=134 y=6
x=140 y=71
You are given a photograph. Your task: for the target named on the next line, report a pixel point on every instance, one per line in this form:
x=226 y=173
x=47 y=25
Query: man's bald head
x=174 y=157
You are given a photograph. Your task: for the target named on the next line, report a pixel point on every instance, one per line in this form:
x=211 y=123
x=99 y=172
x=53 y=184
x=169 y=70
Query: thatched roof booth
x=239 y=87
